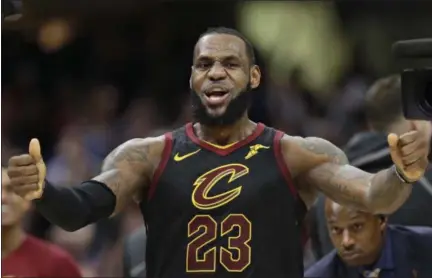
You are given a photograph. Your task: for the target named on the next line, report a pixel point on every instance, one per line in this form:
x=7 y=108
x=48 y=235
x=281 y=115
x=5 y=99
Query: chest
x=199 y=179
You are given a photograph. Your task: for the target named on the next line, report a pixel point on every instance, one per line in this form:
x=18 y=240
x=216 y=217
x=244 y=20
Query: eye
x=336 y=230
x=232 y=65
x=357 y=227
x=203 y=65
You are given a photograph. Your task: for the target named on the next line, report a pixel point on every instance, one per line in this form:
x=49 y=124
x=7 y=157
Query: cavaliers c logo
x=203 y=185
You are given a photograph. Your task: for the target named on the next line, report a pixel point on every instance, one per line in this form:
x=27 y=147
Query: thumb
x=35 y=150
x=393 y=141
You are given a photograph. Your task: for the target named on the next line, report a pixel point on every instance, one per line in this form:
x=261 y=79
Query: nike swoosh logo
x=178 y=157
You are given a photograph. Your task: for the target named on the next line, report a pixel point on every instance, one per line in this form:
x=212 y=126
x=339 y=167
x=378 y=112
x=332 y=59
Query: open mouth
x=216 y=97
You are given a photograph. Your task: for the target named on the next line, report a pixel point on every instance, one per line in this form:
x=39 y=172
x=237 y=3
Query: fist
x=27 y=172
x=410 y=152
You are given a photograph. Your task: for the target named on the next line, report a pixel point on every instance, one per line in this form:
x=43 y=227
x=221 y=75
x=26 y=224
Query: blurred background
x=84 y=76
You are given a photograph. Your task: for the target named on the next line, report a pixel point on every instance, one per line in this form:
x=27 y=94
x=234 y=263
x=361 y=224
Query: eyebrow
x=356 y=217
x=229 y=57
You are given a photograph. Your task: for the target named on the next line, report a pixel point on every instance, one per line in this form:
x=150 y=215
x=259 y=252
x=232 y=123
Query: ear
x=383 y=224
x=255 y=76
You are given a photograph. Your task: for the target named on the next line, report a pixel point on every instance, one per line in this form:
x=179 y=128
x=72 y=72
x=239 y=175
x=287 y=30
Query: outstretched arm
x=318 y=164
x=383 y=192
x=126 y=173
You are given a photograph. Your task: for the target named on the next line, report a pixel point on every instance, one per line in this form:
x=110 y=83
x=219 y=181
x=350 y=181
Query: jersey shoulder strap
x=166 y=153
x=301 y=208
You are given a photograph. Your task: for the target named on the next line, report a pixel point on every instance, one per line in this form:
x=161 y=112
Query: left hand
x=409 y=152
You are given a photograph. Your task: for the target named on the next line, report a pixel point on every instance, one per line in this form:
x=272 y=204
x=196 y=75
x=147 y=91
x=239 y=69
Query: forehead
x=214 y=45
x=337 y=213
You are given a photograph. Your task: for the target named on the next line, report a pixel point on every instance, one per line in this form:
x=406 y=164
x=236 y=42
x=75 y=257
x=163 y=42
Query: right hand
x=27 y=172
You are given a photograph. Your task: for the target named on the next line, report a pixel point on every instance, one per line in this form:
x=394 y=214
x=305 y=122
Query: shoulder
x=149 y=144
x=424 y=234
x=306 y=152
x=322 y=268
x=137 y=151
x=312 y=145
x=417 y=239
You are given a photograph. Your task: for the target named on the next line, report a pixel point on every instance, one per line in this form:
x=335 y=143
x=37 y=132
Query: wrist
x=42 y=192
x=400 y=175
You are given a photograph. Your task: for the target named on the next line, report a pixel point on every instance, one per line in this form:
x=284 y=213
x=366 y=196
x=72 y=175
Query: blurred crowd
x=84 y=84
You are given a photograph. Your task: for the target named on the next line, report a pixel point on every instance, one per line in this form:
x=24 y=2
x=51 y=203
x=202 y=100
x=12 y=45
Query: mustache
x=236 y=108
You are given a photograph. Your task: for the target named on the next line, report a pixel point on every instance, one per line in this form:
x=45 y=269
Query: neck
x=224 y=135
x=12 y=238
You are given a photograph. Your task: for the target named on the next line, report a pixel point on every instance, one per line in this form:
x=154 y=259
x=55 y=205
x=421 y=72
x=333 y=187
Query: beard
x=235 y=109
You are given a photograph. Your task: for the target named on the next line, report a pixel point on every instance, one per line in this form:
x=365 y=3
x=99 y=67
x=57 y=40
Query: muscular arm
x=125 y=172
x=128 y=169
x=325 y=167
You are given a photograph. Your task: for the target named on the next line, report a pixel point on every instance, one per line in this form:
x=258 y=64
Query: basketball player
x=223 y=196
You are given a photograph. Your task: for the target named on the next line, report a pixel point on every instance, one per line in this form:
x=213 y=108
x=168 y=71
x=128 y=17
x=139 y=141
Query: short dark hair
x=383 y=103
x=250 y=52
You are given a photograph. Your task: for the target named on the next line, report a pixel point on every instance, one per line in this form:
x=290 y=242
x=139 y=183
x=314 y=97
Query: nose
x=217 y=72
x=347 y=240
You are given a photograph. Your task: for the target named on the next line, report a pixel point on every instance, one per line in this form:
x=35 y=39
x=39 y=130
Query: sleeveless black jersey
x=223 y=211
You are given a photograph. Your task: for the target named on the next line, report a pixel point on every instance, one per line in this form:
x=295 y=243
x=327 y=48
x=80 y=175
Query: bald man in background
x=366 y=247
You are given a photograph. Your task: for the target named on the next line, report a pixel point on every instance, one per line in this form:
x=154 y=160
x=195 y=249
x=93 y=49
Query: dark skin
x=357 y=236
x=315 y=164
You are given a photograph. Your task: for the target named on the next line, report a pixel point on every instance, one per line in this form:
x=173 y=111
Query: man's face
x=221 y=79
x=13 y=207
x=357 y=236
